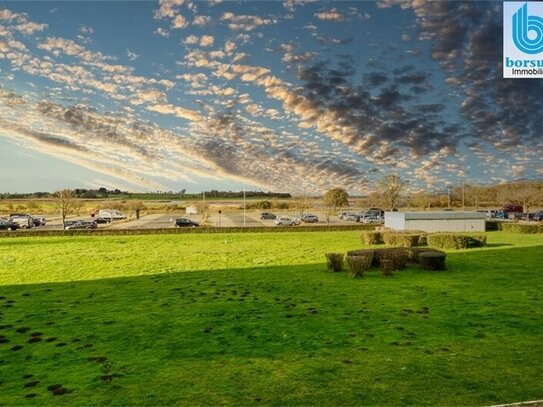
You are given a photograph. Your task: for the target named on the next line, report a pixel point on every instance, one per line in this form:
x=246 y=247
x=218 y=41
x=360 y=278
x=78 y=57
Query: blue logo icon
x=524 y=24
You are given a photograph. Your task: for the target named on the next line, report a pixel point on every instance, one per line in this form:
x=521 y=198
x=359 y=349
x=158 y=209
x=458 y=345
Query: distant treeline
x=102 y=193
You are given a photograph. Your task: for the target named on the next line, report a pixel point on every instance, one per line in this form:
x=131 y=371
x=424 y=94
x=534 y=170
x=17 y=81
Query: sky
x=294 y=96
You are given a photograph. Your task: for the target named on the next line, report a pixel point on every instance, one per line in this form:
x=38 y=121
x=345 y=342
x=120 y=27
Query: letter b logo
x=523 y=25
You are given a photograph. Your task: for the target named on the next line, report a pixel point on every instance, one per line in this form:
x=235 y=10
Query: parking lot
x=232 y=219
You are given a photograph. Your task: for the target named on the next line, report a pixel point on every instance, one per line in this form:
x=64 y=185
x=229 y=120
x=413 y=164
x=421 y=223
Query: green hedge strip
x=176 y=231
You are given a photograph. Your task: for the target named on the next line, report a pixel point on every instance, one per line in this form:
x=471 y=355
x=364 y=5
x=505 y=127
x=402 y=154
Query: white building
x=436 y=221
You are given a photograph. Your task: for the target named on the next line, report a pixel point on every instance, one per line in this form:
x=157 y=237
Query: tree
x=391 y=188
x=203 y=209
x=334 y=199
x=473 y=194
x=527 y=194
x=302 y=204
x=65 y=202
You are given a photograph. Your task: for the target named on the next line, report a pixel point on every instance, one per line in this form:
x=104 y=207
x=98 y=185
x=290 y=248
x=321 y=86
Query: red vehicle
x=512 y=208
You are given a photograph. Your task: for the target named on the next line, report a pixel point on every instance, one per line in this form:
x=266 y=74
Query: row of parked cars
x=21 y=221
x=288 y=221
x=373 y=215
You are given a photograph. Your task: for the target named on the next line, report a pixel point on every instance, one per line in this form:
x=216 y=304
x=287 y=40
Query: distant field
x=255 y=319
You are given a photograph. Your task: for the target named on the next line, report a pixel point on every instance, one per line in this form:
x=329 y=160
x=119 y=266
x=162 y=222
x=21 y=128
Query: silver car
x=284 y=221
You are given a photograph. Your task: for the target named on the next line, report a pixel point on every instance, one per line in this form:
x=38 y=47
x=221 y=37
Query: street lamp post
x=244 y=208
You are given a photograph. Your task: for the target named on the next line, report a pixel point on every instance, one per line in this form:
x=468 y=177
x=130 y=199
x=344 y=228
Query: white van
x=111 y=214
x=24 y=220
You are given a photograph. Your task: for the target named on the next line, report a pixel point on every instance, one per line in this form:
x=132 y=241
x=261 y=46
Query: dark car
x=183 y=222
x=102 y=220
x=6 y=224
x=39 y=221
x=82 y=224
x=538 y=216
x=267 y=215
x=310 y=218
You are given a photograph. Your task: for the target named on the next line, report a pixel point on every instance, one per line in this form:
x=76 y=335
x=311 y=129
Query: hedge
x=432 y=261
x=174 y=231
x=455 y=241
x=334 y=261
x=372 y=237
x=401 y=239
x=359 y=264
x=401 y=255
x=522 y=227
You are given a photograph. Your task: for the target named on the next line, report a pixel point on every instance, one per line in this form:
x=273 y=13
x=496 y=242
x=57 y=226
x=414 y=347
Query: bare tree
x=333 y=199
x=527 y=194
x=473 y=194
x=391 y=188
x=302 y=204
x=203 y=210
x=65 y=202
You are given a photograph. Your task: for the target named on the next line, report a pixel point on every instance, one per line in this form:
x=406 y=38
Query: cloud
x=207 y=41
x=84 y=29
x=162 y=32
x=245 y=22
x=202 y=20
x=179 y=22
x=331 y=15
x=132 y=56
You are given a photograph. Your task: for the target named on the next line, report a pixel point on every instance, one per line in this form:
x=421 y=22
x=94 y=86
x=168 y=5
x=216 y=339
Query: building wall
x=395 y=220
x=446 y=225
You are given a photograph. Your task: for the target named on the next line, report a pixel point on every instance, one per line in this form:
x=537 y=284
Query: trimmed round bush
x=372 y=237
x=432 y=261
x=399 y=257
x=414 y=252
x=401 y=239
x=358 y=264
x=334 y=261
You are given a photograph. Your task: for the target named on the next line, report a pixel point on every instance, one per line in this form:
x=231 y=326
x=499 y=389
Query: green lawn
x=255 y=319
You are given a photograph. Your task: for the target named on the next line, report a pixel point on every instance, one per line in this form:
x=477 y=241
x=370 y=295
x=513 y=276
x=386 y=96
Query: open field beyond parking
x=256 y=319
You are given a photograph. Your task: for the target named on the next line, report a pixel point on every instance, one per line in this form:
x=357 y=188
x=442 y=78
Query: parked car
x=102 y=220
x=268 y=215
x=39 y=221
x=7 y=224
x=111 y=214
x=341 y=215
x=308 y=218
x=513 y=208
x=352 y=217
x=24 y=220
x=538 y=216
x=81 y=224
x=376 y=211
x=371 y=219
x=184 y=222
x=284 y=221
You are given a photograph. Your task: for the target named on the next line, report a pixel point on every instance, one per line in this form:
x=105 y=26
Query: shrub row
x=521 y=227
x=401 y=239
x=456 y=241
x=173 y=231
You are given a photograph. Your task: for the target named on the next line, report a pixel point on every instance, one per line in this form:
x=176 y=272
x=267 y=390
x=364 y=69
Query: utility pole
x=244 y=208
x=463 y=195
x=448 y=196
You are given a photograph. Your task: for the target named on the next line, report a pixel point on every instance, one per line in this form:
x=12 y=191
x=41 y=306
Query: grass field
x=255 y=319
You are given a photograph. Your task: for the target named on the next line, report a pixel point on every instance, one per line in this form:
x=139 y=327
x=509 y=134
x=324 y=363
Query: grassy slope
x=261 y=322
